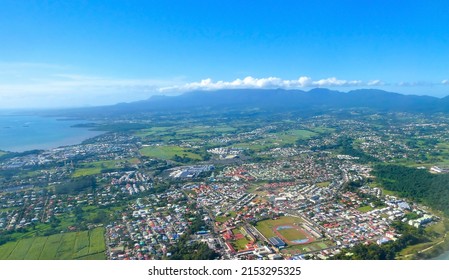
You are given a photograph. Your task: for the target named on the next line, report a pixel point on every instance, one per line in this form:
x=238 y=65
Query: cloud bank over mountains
x=37 y=85
x=269 y=83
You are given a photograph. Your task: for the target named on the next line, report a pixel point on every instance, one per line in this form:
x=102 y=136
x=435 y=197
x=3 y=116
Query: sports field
x=287 y=228
x=63 y=246
x=292 y=234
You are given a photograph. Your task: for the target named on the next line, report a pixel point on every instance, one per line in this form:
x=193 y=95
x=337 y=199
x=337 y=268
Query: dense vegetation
x=186 y=249
x=416 y=184
x=76 y=185
x=347 y=148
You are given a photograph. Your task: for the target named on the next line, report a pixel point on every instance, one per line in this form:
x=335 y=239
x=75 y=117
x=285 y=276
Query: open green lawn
x=292 y=234
x=185 y=132
x=266 y=227
x=240 y=244
x=291 y=136
x=256 y=146
x=153 y=131
x=63 y=246
x=276 y=139
x=221 y=219
x=365 y=209
x=205 y=130
x=415 y=248
x=323 y=184
x=168 y=152
x=94 y=168
x=323 y=129
x=439 y=227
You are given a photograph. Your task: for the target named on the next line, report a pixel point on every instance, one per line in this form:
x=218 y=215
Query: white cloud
x=418 y=84
x=445 y=82
x=270 y=82
x=375 y=83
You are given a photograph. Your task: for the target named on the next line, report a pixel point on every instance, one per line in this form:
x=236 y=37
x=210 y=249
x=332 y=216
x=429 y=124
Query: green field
x=167 y=133
x=322 y=129
x=276 y=139
x=292 y=234
x=94 y=168
x=168 y=152
x=221 y=219
x=266 y=227
x=63 y=246
x=365 y=209
x=205 y=130
x=257 y=146
x=154 y=131
x=240 y=244
x=323 y=184
x=291 y=136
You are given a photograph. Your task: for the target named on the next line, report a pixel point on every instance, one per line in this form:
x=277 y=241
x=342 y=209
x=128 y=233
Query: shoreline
x=31 y=132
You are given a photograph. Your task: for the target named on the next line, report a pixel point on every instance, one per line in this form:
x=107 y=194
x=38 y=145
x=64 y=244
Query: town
x=286 y=189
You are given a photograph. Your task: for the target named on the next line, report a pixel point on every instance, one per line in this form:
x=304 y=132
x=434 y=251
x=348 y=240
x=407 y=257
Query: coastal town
x=286 y=190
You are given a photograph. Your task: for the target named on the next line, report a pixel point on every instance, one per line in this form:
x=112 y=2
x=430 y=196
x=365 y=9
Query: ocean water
x=23 y=133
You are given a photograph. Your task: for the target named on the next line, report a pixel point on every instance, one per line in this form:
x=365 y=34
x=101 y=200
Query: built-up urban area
x=289 y=188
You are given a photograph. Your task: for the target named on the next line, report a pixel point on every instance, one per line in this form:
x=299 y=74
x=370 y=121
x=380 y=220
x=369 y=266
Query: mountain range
x=318 y=99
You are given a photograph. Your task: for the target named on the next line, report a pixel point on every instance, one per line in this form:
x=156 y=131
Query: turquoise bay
x=20 y=133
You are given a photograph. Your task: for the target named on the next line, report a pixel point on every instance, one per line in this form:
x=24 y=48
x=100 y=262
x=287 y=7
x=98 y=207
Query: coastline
x=31 y=132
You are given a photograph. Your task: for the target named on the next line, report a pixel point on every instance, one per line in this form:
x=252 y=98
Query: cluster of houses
x=21 y=210
x=131 y=182
x=148 y=230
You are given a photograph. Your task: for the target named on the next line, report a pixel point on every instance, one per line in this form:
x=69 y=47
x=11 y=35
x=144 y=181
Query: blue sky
x=76 y=53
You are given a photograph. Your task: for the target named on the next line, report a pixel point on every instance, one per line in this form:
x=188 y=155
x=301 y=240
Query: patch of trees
x=76 y=185
x=346 y=146
x=183 y=159
x=159 y=187
x=191 y=250
x=197 y=224
x=8 y=174
x=416 y=184
x=5 y=238
x=186 y=249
